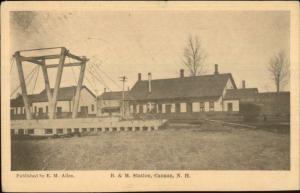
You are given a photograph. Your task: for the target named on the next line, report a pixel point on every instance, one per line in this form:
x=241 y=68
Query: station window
x=201 y=106
x=211 y=105
x=141 y=109
x=48 y=131
x=93 y=107
x=21 y=131
x=30 y=131
x=69 y=130
x=168 y=108
x=58 y=109
x=59 y=131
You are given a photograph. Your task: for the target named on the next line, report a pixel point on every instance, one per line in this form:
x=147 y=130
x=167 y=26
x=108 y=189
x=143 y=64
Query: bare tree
x=194 y=56
x=279 y=70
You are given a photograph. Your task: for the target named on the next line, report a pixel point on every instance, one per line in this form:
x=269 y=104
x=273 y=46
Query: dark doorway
x=177 y=107
x=229 y=106
x=59 y=111
x=168 y=108
x=189 y=107
x=159 y=108
x=40 y=112
x=84 y=111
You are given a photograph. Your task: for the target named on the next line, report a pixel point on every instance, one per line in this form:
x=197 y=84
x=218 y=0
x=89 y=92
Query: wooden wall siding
x=183 y=107
x=176 y=106
x=86 y=99
x=229 y=85
x=235 y=105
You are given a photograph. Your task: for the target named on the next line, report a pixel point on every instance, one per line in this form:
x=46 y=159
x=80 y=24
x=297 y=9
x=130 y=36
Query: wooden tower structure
x=41 y=60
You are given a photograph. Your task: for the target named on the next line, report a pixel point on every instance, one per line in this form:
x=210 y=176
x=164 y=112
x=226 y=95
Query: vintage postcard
x=149 y=96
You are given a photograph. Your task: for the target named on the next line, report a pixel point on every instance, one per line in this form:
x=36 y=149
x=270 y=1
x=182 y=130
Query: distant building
x=274 y=105
x=205 y=93
x=39 y=104
x=110 y=103
x=243 y=95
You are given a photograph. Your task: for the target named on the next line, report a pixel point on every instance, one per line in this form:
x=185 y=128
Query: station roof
x=64 y=94
x=235 y=94
x=113 y=95
x=205 y=86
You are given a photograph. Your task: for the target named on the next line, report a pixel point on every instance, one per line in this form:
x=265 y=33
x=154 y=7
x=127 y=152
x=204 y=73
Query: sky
x=132 y=42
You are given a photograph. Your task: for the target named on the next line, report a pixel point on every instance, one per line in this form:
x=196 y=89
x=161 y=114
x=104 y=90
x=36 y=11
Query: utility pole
x=123 y=79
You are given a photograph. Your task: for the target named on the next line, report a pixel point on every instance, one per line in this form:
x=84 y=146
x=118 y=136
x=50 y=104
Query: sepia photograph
x=215 y=87
x=149 y=90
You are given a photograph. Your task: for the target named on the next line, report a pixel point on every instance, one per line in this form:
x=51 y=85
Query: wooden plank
x=31 y=60
x=40 y=49
x=47 y=87
x=23 y=86
x=81 y=59
x=35 y=58
x=84 y=123
x=57 y=82
x=78 y=90
x=65 y=65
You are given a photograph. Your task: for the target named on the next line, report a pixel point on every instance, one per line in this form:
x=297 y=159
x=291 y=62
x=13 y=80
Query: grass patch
x=223 y=148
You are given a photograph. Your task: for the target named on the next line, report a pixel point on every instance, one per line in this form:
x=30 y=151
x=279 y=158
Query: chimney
x=139 y=76
x=104 y=89
x=149 y=82
x=243 y=84
x=181 y=73
x=216 y=69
